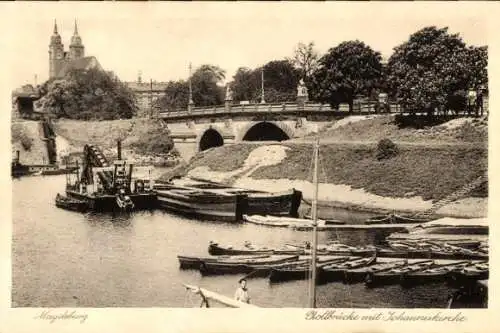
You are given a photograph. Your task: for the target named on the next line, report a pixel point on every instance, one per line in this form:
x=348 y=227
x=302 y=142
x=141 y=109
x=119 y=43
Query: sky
x=160 y=39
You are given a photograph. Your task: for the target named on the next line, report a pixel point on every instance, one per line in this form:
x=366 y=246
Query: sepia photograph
x=246 y=156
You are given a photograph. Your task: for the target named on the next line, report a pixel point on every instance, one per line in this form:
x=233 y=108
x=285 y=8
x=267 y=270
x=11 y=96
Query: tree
x=205 y=84
x=434 y=69
x=88 y=94
x=245 y=85
x=176 y=96
x=349 y=69
x=280 y=82
x=305 y=60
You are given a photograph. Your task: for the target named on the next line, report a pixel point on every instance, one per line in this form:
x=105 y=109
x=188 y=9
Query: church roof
x=80 y=63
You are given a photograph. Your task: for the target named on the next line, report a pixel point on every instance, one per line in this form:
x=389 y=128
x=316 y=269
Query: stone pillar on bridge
x=229 y=99
x=302 y=94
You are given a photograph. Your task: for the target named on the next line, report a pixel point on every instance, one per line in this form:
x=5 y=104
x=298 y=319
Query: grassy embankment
x=142 y=138
x=433 y=161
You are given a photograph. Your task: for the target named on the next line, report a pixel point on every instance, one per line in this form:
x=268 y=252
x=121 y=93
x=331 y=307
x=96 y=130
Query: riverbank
x=432 y=162
x=344 y=196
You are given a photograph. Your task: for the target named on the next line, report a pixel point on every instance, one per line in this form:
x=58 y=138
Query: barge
x=107 y=187
x=217 y=202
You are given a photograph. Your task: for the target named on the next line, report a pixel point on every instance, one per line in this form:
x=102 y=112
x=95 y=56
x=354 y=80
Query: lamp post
x=191 y=103
x=262 y=100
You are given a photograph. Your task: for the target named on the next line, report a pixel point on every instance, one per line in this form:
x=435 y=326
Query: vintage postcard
x=322 y=166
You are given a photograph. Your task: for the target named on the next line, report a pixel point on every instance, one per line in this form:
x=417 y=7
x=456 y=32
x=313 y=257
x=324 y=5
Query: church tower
x=56 y=53
x=76 y=48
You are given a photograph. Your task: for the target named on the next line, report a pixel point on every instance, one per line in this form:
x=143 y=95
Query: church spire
x=55 y=27
x=76 y=29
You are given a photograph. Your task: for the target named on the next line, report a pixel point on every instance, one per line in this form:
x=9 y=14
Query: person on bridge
x=242 y=292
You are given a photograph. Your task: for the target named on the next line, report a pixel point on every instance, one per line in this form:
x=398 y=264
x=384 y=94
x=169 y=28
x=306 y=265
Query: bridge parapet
x=266 y=109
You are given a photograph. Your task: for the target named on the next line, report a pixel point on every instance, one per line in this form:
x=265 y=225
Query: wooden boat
x=354 y=275
x=469 y=274
x=71 y=203
x=207 y=295
x=335 y=271
x=394 y=275
x=432 y=274
x=261 y=220
x=200 y=204
x=190 y=262
x=298 y=271
x=238 y=265
x=451 y=226
x=395 y=219
x=226 y=204
x=249 y=248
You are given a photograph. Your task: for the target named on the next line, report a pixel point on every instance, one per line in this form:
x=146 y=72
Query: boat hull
x=359 y=275
x=458 y=279
x=234 y=267
x=107 y=203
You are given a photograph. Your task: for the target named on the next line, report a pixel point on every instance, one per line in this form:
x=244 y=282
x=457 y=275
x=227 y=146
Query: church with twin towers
x=62 y=61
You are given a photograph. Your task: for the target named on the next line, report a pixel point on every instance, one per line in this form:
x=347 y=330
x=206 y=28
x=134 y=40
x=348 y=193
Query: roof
x=26 y=91
x=146 y=86
x=80 y=63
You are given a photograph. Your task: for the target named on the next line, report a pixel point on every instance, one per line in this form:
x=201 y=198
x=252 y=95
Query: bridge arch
x=267 y=131
x=210 y=138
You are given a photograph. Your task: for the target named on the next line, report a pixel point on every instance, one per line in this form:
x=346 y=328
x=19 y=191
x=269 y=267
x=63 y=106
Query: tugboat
x=71 y=203
x=108 y=187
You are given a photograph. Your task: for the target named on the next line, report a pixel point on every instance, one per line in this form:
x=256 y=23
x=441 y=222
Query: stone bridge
x=197 y=129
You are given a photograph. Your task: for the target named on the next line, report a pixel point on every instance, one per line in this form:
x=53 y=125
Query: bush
x=157 y=141
x=386 y=149
x=26 y=142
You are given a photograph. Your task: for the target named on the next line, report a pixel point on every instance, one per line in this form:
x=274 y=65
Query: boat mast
x=312 y=303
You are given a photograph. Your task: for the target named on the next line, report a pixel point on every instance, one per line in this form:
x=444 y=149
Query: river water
x=67 y=259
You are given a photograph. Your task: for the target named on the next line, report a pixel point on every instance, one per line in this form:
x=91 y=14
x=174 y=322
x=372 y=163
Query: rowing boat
x=394 y=275
x=298 y=271
x=249 y=248
x=191 y=262
x=335 y=271
x=432 y=274
x=354 y=275
x=469 y=275
x=238 y=265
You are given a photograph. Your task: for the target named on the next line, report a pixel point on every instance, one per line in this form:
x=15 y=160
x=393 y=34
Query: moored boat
x=394 y=275
x=70 y=203
x=249 y=248
x=354 y=275
x=432 y=274
x=299 y=271
x=335 y=271
x=193 y=262
x=239 y=265
x=469 y=274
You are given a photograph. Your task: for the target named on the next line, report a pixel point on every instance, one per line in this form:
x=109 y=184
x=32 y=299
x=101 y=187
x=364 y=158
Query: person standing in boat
x=242 y=292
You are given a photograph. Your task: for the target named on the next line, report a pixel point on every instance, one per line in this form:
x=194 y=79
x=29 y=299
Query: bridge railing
x=358 y=107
